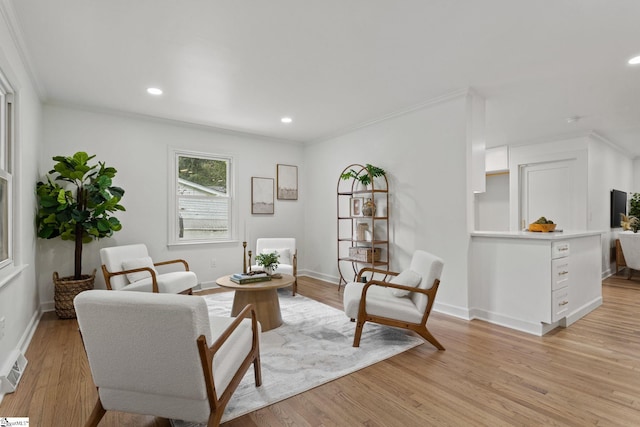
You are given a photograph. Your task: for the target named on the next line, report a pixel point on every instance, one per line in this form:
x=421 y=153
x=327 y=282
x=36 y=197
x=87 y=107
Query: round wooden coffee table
x=263 y=296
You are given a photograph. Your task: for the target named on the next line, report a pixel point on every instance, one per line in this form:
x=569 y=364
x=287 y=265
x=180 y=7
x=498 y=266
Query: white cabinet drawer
x=559 y=249
x=560 y=304
x=559 y=273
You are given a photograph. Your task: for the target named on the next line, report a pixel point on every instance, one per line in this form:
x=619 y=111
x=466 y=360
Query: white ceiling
x=333 y=65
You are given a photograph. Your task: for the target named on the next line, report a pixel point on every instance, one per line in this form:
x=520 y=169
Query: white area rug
x=311 y=348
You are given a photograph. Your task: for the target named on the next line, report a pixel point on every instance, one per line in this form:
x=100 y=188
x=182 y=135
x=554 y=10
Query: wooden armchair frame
x=419 y=328
x=108 y=274
x=207 y=355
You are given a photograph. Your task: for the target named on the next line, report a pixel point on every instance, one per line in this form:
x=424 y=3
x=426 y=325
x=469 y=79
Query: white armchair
x=630 y=244
x=164 y=355
x=404 y=301
x=286 y=248
x=129 y=268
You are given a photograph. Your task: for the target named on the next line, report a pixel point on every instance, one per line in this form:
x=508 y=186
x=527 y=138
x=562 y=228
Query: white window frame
x=7 y=144
x=173 y=217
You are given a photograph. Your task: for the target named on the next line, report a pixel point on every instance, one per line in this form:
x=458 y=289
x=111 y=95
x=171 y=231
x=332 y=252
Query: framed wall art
x=287 y=182
x=262 y=195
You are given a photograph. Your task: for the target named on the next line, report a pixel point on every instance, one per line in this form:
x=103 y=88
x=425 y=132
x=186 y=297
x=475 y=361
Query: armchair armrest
x=208 y=353
x=108 y=275
x=374 y=270
x=173 y=261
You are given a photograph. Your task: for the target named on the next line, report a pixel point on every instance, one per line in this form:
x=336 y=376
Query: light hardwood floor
x=587 y=374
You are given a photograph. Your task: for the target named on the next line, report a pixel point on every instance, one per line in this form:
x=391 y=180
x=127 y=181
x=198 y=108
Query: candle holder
x=244 y=257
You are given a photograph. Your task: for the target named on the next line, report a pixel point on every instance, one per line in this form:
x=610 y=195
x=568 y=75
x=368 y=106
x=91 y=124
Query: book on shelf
x=243 y=278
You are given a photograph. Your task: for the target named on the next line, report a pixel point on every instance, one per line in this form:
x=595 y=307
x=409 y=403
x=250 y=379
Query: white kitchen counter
x=555 y=235
x=534 y=282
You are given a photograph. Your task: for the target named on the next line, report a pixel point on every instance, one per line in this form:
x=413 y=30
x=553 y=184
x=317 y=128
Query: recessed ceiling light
x=286 y=120
x=635 y=60
x=154 y=91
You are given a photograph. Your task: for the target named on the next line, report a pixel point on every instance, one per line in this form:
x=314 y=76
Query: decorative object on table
x=542 y=224
x=269 y=261
x=634 y=210
x=252 y=277
x=369 y=208
x=244 y=257
x=628 y=222
x=80 y=210
x=362 y=197
x=287 y=182
x=262 y=195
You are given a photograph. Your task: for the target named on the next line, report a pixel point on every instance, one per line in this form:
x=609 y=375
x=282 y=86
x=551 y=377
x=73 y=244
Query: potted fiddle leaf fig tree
x=76 y=202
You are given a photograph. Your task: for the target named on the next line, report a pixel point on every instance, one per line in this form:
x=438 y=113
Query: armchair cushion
x=285 y=254
x=142 y=262
x=173 y=282
x=380 y=302
x=406 y=278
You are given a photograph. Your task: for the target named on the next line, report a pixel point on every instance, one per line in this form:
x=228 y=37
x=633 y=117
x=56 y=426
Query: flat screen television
x=618 y=206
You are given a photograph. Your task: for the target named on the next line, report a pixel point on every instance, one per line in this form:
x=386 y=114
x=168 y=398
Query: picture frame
x=356 y=204
x=262 y=201
x=287 y=182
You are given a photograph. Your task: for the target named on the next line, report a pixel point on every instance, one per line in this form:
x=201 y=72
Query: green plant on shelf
x=362 y=176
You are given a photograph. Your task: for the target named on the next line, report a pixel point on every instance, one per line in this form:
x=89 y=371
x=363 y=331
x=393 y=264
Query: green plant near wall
x=634 y=209
x=81 y=210
x=362 y=176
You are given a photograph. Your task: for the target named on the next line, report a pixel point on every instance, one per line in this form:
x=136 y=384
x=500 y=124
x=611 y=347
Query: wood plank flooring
x=587 y=374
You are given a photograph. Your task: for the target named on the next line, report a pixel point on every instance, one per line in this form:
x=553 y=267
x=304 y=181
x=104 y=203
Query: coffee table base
x=266 y=304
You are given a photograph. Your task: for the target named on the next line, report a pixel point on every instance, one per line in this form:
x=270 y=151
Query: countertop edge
x=554 y=235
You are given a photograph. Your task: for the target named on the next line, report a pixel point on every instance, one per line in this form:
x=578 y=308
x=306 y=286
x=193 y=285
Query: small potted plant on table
x=268 y=261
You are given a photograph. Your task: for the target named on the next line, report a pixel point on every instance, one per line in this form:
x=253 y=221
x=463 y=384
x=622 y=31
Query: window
x=202 y=198
x=6 y=164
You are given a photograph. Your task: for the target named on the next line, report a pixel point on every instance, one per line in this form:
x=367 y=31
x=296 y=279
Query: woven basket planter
x=66 y=289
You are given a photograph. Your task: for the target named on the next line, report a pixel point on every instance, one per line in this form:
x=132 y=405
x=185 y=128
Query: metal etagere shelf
x=362 y=223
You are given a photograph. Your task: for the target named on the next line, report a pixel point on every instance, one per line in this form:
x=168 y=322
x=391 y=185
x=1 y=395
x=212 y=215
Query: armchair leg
x=295 y=286
x=96 y=415
x=424 y=333
x=257 y=371
x=358 y=334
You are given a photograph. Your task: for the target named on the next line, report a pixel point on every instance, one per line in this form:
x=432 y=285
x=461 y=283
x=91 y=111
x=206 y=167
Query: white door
x=547 y=191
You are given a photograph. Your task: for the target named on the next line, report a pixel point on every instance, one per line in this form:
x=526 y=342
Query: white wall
x=492 y=207
x=609 y=168
x=636 y=175
x=424 y=153
x=138 y=148
x=19 y=296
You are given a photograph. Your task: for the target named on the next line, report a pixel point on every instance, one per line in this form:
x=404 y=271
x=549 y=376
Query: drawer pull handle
x=562 y=273
x=564 y=303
